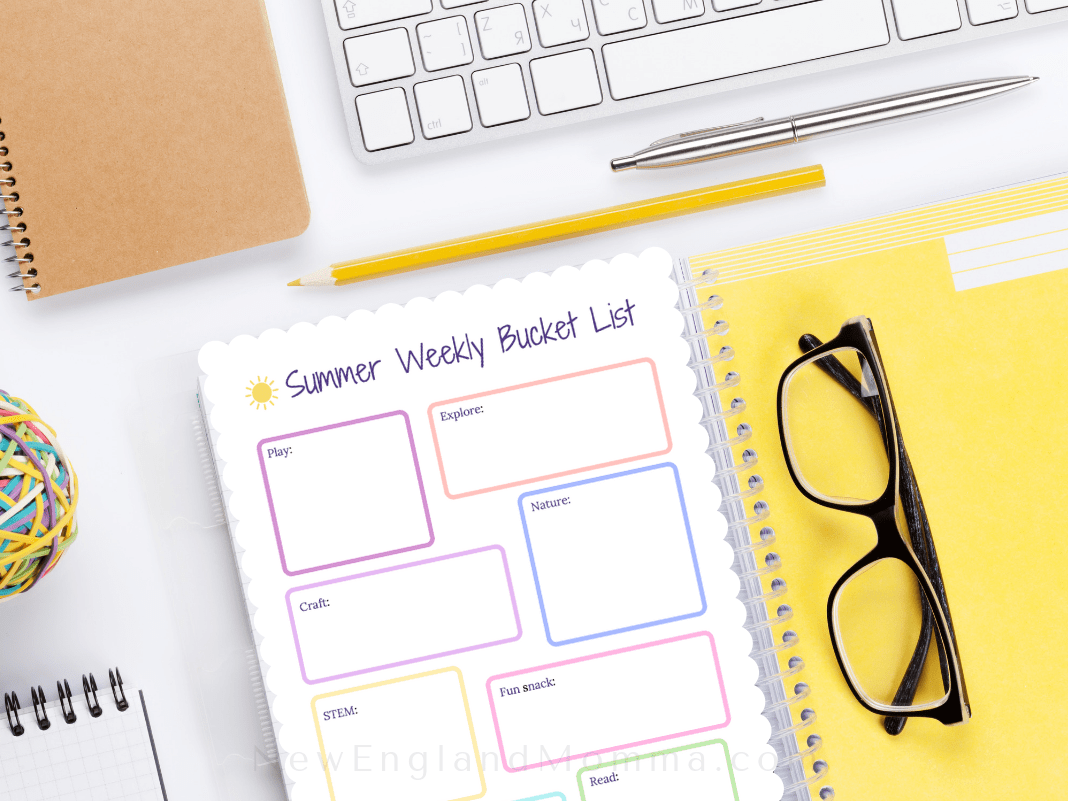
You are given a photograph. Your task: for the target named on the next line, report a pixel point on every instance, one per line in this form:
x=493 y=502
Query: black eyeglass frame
x=858 y=334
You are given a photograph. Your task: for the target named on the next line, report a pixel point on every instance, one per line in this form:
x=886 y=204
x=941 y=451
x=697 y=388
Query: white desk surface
x=106 y=603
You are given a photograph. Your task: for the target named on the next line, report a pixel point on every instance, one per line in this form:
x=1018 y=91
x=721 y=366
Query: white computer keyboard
x=419 y=76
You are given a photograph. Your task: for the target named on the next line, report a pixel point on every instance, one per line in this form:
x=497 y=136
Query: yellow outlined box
x=353 y=710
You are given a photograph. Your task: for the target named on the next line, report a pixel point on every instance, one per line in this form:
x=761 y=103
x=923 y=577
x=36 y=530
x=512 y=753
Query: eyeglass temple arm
x=919 y=533
x=916 y=518
x=923 y=544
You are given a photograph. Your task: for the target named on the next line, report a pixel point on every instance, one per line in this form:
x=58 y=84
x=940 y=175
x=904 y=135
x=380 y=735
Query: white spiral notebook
x=494 y=545
x=79 y=744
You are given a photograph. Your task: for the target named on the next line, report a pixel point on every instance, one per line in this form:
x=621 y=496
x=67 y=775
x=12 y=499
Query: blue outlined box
x=612 y=554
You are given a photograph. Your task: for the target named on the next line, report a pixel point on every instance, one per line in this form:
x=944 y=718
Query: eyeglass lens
x=836 y=443
x=878 y=617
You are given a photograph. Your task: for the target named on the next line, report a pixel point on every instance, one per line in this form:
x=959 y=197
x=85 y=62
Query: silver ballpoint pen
x=760 y=134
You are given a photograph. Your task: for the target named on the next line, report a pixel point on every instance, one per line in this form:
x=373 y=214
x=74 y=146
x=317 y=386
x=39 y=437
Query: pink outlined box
x=682 y=676
x=554 y=427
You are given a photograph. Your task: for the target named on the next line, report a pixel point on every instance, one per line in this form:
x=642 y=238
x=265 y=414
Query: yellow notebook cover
x=968 y=299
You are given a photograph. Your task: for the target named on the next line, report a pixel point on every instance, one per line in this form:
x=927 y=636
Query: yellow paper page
x=975 y=349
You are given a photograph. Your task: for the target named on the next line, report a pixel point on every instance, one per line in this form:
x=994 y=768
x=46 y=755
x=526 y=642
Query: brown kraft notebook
x=140 y=135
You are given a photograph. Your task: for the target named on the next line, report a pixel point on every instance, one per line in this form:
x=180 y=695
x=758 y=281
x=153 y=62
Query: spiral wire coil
x=13 y=709
x=22 y=260
x=737 y=490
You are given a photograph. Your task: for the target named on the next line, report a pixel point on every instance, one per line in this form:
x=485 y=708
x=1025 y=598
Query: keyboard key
x=981 y=12
x=443 y=107
x=560 y=22
x=503 y=31
x=674 y=10
x=384 y=119
x=357 y=13
x=445 y=43
x=1035 y=6
x=458 y=3
x=614 y=16
x=713 y=50
x=916 y=18
x=565 y=82
x=501 y=95
x=727 y=5
x=379 y=57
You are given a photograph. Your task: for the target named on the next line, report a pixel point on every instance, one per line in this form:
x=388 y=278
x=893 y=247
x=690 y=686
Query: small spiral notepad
x=83 y=746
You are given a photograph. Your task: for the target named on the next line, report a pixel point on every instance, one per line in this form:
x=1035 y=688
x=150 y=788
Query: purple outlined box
x=607 y=702
x=405 y=614
x=345 y=493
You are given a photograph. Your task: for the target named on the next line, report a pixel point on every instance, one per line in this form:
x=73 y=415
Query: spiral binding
x=25 y=258
x=66 y=707
x=736 y=494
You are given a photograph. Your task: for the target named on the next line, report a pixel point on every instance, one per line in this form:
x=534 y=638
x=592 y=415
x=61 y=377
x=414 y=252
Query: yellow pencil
x=657 y=208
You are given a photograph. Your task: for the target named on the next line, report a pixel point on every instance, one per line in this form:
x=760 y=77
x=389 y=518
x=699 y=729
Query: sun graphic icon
x=262 y=392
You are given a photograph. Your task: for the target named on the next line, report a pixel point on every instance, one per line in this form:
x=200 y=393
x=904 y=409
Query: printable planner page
x=482 y=551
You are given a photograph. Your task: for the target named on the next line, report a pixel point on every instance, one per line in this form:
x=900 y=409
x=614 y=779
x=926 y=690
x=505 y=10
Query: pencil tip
x=294 y=283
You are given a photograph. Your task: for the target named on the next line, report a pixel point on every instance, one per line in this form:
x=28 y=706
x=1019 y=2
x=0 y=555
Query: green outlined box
x=699 y=770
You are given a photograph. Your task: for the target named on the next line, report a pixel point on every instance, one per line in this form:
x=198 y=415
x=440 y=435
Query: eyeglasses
x=844 y=450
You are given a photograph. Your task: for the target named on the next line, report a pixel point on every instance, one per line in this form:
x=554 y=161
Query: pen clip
x=688 y=134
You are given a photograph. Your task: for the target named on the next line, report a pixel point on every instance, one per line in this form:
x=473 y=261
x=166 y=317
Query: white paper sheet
x=422 y=447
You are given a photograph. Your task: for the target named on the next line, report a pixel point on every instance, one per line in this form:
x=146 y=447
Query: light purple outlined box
x=405 y=614
x=353 y=491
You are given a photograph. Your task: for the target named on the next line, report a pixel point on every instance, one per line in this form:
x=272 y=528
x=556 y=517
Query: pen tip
x=294 y=283
x=625 y=163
